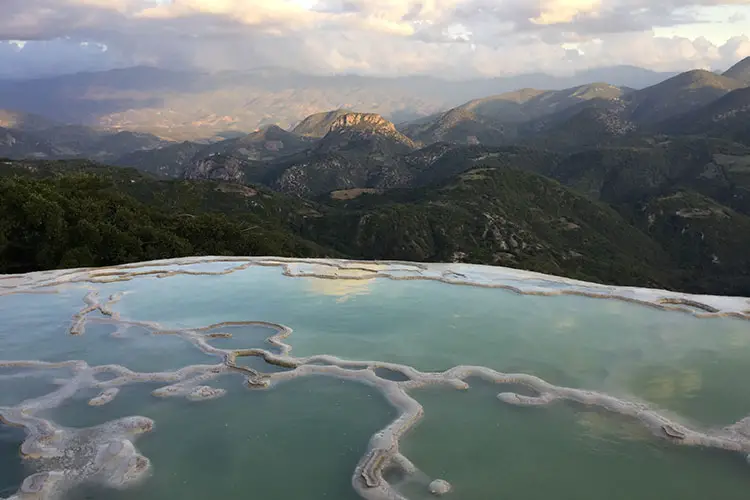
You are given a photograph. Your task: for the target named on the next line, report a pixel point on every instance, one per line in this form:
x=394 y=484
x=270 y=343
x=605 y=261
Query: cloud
x=565 y=11
x=253 y=13
x=452 y=38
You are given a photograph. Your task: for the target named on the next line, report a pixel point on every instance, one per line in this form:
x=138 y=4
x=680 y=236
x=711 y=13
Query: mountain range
x=25 y=135
x=576 y=116
x=189 y=105
x=634 y=186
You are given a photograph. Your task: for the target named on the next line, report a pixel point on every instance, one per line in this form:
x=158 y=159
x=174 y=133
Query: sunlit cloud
x=450 y=38
x=565 y=11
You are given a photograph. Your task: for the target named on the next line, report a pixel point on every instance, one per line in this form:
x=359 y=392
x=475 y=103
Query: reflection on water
x=672 y=384
x=343 y=289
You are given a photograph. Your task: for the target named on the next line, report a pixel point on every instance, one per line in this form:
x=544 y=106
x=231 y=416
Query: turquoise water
x=303 y=438
x=563 y=452
x=276 y=444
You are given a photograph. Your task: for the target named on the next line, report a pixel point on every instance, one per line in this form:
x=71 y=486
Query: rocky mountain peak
x=216 y=167
x=369 y=130
x=319 y=124
x=367 y=121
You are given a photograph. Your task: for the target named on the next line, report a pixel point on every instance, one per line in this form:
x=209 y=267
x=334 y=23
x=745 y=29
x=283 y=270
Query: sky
x=453 y=39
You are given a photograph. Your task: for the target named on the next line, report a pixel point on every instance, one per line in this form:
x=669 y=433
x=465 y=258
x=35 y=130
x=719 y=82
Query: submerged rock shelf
x=64 y=458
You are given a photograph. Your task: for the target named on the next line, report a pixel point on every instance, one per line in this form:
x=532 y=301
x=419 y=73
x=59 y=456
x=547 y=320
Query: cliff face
x=217 y=168
x=371 y=121
x=318 y=125
x=366 y=133
x=358 y=149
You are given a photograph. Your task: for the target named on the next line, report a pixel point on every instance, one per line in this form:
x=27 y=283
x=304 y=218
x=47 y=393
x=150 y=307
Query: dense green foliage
x=95 y=217
x=672 y=215
x=498 y=216
x=648 y=187
x=706 y=240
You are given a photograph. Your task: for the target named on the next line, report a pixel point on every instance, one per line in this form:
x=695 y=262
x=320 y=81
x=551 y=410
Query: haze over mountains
x=99 y=105
x=599 y=181
x=589 y=114
x=192 y=105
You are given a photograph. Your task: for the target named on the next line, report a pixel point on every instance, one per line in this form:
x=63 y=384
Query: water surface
x=304 y=438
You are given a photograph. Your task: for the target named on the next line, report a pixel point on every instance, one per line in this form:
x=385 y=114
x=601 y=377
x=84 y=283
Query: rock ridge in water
x=107 y=453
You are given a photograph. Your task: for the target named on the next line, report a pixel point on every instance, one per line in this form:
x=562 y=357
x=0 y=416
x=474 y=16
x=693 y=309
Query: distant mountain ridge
x=267 y=143
x=29 y=135
x=679 y=94
x=580 y=116
x=533 y=103
x=26 y=122
x=190 y=105
x=494 y=120
x=740 y=71
x=727 y=117
x=344 y=149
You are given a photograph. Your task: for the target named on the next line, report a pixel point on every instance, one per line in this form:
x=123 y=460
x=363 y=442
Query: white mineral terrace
x=106 y=453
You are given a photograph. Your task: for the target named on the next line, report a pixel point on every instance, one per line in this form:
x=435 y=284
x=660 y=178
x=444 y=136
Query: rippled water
x=304 y=438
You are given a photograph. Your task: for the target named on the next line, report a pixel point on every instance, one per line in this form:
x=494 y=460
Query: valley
x=606 y=183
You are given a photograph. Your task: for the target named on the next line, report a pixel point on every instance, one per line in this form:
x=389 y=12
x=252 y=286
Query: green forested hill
x=501 y=212
x=660 y=166
x=708 y=241
x=690 y=195
x=643 y=187
x=82 y=215
x=726 y=117
x=501 y=216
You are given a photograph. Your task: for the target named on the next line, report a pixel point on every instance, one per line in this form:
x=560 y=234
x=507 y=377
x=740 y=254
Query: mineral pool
x=334 y=380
